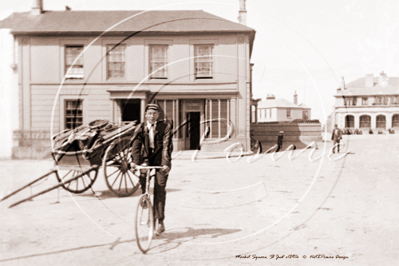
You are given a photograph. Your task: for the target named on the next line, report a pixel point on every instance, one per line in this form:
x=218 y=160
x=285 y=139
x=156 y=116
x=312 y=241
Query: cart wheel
x=144 y=225
x=79 y=185
x=119 y=177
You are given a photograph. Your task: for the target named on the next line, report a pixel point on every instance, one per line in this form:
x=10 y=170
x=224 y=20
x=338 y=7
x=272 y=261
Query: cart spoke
x=120 y=183
x=125 y=182
x=114 y=172
x=116 y=179
x=131 y=179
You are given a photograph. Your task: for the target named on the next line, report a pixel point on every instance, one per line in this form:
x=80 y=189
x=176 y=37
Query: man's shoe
x=161 y=229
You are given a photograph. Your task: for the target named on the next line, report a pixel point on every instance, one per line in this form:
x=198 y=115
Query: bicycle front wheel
x=144 y=223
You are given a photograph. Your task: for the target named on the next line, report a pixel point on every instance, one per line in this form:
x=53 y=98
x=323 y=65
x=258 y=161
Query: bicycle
x=144 y=225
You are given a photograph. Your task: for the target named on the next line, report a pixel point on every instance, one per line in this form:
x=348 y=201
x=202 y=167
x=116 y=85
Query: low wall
x=31 y=144
x=299 y=134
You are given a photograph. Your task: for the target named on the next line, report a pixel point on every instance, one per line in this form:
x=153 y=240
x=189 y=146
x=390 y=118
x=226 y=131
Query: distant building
x=368 y=102
x=274 y=109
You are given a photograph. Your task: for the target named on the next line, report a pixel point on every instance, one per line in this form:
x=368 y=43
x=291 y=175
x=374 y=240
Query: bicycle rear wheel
x=144 y=226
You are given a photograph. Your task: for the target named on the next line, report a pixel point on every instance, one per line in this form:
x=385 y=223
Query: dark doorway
x=130 y=110
x=193 y=129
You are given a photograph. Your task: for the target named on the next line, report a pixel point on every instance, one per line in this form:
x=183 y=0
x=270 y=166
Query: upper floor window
x=158 y=61
x=268 y=113
x=305 y=115
x=74 y=71
x=365 y=100
x=73 y=114
x=348 y=101
x=116 y=61
x=354 y=102
x=395 y=100
x=288 y=113
x=203 y=61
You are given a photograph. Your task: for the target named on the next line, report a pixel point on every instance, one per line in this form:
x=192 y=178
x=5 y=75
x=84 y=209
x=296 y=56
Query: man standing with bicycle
x=153 y=146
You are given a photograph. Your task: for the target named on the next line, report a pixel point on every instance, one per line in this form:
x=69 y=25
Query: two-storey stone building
x=368 y=103
x=77 y=66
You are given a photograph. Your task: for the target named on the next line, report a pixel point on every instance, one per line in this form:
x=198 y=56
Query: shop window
x=74 y=70
x=73 y=114
x=116 y=61
x=158 y=61
x=203 y=61
x=217 y=115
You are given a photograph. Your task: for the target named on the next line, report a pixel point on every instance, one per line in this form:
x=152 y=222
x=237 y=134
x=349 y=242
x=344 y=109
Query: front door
x=193 y=129
x=130 y=110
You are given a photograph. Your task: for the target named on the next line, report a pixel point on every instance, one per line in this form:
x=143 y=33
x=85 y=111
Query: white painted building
x=273 y=110
x=368 y=103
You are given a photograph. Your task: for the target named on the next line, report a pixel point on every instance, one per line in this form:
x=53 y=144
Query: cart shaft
x=28 y=185
x=54 y=187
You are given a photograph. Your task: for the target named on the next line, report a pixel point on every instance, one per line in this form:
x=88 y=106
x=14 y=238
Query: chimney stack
x=295 y=98
x=242 y=14
x=369 y=81
x=342 y=83
x=383 y=79
x=37 y=7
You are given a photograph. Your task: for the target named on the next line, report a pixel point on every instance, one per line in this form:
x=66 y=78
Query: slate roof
x=99 y=21
x=358 y=88
x=278 y=103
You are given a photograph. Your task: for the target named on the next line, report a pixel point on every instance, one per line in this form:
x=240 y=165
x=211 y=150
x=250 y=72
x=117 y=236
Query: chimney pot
x=242 y=14
x=37 y=7
x=342 y=83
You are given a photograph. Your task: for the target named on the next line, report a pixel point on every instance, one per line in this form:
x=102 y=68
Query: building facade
x=368 y=103
x=74 y=67
x=273 y=110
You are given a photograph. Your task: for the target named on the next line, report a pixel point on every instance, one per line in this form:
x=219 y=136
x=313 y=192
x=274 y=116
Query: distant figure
x=280 y=137
x=336 y=137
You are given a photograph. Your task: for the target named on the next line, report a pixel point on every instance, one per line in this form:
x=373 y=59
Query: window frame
x=68 y=64
x=288 y=112
x=66 y=115
x=210 y=74
x=365 y=100
x=165 y=63
x=108 y=47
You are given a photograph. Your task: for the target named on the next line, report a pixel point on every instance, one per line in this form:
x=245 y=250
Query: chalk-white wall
x=8 y=94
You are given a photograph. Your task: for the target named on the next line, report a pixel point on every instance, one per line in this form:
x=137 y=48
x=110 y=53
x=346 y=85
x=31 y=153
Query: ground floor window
x=217 y=113
x=349 y=121
x=73 y=113
x=168 y=110
x=395 y=121
x=365 y=121
x=381 y=121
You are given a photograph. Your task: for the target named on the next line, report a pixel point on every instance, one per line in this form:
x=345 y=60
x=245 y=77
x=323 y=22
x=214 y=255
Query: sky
x=300 y=45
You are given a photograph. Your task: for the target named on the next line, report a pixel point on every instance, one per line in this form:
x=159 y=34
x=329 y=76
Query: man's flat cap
x=151 y=106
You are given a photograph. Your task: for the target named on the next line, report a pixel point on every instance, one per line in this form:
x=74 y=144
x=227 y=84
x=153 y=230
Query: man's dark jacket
x=162 y=142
